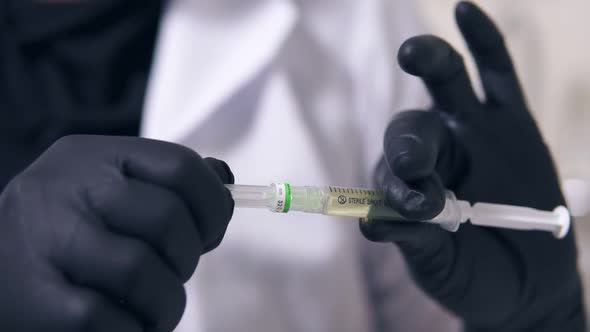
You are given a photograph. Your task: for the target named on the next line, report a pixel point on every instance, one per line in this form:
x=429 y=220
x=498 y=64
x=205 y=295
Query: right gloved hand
x=100 y=233
x=485 y=151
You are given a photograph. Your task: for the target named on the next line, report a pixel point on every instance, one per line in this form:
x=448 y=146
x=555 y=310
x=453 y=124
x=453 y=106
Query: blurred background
x=549 y=43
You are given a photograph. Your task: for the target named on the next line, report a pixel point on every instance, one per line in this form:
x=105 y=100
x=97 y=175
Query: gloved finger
x=184 y=172
x=413 y=144
x=221 y=168
x=127 y=271
x=428 y=250
x=486 y=43
x=412 y=237
x=155 y=215
x=71 y=308
x=431 y=254
x=418 y=200
x=442 y=70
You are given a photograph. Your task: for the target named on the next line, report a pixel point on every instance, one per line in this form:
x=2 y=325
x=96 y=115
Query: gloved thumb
x=221 y=168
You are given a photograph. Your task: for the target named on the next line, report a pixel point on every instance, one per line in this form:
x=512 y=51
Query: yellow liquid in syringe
x=360 y=203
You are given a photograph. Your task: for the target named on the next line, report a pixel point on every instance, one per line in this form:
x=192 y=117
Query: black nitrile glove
x=494 y=279
x=100 y=233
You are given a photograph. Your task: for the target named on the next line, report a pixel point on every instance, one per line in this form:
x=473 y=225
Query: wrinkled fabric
x=296 y=91
x=71 y=68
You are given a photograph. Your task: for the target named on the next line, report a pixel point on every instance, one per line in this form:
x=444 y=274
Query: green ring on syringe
x=287 y=198
x=283 y=197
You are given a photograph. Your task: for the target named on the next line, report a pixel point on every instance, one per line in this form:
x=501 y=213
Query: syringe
x=370 y=204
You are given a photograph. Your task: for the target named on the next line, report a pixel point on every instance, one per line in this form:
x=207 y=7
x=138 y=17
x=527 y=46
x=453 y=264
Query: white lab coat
x=296 y=91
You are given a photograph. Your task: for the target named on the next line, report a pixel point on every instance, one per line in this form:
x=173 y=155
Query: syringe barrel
x=336 y=201
x=308 y=199
x=368 y=204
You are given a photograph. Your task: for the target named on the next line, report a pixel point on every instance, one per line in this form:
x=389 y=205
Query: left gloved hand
x=492 y=151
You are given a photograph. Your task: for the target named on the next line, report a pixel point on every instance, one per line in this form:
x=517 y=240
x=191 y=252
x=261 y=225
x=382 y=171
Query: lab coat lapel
x=205 y=54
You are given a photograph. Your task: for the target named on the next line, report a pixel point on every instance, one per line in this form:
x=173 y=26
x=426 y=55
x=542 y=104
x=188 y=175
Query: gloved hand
x=491 y=151
x=100 y=233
